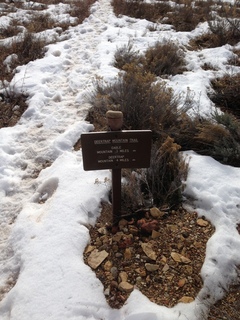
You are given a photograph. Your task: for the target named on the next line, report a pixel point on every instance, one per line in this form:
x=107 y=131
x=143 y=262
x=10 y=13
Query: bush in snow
x=164 y=59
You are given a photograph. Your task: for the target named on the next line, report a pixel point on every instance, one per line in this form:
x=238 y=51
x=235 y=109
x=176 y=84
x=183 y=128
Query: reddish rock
x=148 y=226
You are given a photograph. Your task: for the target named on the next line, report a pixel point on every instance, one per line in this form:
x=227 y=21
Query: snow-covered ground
x=43 y=220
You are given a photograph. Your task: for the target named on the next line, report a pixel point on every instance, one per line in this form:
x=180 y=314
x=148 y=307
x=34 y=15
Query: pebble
x=107 y=265
x=123 y=277
x=114 y=272
x=181 y=282
x=156 y=213
x=102 y=230
x=126 y=286
x=165 y=268
x=127 y=254
x=151 y=267
x=107 y=292
x=147 y=249
x=179 y=258
x=96 y=258
x=202 y=223
x=118 y=255
x=155 y=234
x=186 y=299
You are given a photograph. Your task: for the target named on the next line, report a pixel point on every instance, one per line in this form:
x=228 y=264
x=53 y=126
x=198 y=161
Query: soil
x=161 y=254
x=11 y=110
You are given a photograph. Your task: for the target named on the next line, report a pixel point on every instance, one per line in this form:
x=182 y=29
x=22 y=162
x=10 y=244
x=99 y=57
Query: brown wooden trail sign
x=116 y=150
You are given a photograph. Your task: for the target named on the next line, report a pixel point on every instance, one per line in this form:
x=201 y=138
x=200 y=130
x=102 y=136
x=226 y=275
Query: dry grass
x=126 y=55
x=28 y=45
x=226 y=94
x=144 y=104
x=184 y=15
x=141 y=9
x=164 y=59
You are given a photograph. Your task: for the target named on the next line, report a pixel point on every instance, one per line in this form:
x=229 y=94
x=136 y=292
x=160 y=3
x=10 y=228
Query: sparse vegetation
x=27 y=43
x=150 y=104
x=140 y=9
x=164 y=59
x=226 y=93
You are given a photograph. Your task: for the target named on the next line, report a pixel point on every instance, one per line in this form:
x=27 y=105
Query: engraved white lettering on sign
x=116 y=157
x=119 y=140
x=104 y=141
x=133 y=140
x=104 y=151
x=105 y=161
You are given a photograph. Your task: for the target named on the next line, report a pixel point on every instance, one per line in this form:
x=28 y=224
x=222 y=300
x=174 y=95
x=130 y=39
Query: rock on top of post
x=110 y=114
x=114 y=120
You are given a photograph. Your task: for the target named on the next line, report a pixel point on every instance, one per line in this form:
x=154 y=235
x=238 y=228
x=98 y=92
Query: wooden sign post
x=116 y=150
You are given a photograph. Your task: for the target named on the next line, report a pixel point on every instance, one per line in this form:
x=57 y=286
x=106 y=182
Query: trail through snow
x=51 y=127
x=53 y=122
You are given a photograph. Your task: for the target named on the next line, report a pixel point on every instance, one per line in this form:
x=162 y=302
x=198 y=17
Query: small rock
x=165 y=268
x=156 y=213
x=179 y=258
x=198 y=245
x=185 y=234
x=127 y=254
x=186 y=299
x=107 y=292
x=181 y=282
x=96 y=258
x=98 y=242
x=202 y=223
x=122 y=224
x=89 y=249
x=102 y=230
x=164 y=259
x=141 y=272
x=126 y=286
x=114 y=284
x=188 y=270
x=138 y=280
x=133 y=229
x=107 y=265
x=151 y=267
x=147 y=249
x=123 y=277
x=155 y=234
x=118 y=255
x=114 y=272
x=148 y=226
x=117 y=236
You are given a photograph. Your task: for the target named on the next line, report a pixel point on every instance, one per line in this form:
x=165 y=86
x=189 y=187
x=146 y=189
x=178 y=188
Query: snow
x=44 y=218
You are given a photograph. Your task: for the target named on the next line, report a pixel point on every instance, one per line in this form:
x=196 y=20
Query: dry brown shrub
x=188 y=14
x=225 y=30
x=80 y=9
x=10 y=30
x=229 y=9
x=235 y=60
x=166 y=172
x=40 y=21
x=140 y=9
x=164 y=59
x=126 y=55
x=145 y=105
x=226 y=94
x=28 y=48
